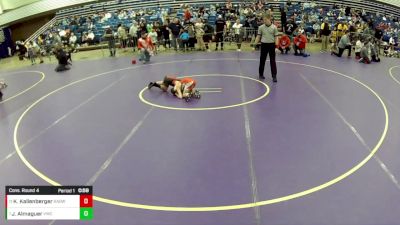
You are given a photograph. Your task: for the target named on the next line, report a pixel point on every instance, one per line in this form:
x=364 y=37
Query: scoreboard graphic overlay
x=49 y=203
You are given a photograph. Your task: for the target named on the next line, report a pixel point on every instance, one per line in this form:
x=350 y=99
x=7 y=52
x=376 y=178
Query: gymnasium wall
x=25 y=29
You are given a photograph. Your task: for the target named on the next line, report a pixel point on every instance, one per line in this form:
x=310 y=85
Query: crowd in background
x=197 y=27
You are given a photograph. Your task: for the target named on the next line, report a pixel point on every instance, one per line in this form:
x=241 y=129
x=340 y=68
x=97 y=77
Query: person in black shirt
x=208 y=33
x=62 y=58
x=109 y=37
x=175 y=28
x=220 y=29
x=165 y=35
x=142 y=27
x=325 y=32
x=348 y=11
x=378 y=33
x=378 y=38
x=283 y=19
x=290 y=27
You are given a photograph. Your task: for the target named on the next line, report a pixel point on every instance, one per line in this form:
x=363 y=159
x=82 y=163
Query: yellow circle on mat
x=211 y=208
x=29 y=88
x=265 y=94
x=391 y=74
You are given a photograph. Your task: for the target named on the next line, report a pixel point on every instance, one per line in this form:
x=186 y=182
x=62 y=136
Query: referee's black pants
x=267 y=48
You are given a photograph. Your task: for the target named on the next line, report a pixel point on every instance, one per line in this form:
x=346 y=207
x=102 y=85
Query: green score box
x=86 y=214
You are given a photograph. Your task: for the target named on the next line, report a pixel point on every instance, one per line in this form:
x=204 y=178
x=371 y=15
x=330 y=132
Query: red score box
x=86 y=201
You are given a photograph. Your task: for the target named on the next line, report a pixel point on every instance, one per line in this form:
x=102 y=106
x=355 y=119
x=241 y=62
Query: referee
x=268 y=34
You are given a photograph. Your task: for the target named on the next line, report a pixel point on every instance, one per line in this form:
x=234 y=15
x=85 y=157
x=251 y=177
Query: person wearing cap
x=268 y=35
x=220 y=29
x=325 y=32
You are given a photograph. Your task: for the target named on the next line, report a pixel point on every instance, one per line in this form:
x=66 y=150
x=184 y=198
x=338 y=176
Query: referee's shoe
x=273 y=79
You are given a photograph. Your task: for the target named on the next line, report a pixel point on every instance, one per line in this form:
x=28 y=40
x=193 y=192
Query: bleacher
x=173 y=8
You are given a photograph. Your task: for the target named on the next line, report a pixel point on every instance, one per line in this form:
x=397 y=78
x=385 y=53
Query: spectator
x=175 y=28
x=290 y=27
x=344 y=44
x=142 y=26
x=220 y=30
x=191 y=31
x=238 y=34
x=62 y=58
x=284 y=44
x=31 y=52
x=315 y=31
x=300 y=42
x=72 y=40
x=91 y=38
x=123 y=37
x=199 y=35
x=145 y=46
x=341 y=29
x=110 y=38
x=358 y=47
x=364 y=53
x=165 y=35
x=283 y=19
x=208 y=34
x=133 y=30
x=378 y=39
x=185 y=40
x=154 y=39
x=325 y=32
x=187 y=15
x=374 y=46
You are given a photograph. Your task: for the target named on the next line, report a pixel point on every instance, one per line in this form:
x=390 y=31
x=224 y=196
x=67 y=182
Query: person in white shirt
x=133 y=30
x=72 y=40
x=123 y=37
x=237 y=27
x=358 y=48
x=154 y=38
x=107 y=15
x=391 y=44
x=199 y=28
x=90 y=38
